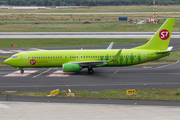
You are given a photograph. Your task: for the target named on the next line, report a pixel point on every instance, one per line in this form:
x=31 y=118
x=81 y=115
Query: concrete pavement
x=81 y=34
x=74 y=111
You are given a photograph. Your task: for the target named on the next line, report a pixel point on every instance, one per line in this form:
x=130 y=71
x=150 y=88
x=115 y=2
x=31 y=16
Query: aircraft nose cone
x=7 y=61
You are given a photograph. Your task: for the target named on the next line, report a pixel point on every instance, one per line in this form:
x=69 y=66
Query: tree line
x=86 y=2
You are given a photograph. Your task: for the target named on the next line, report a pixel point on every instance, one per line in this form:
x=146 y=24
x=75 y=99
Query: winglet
x=110 y=46
x=116 y=57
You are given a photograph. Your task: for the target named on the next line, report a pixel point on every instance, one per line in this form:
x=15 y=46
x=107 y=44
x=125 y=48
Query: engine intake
x=71 y=67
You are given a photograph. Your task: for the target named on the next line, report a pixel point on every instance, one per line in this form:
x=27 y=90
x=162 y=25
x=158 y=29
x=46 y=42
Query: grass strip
x=148 y=94
x=95 y=9
x=174 y=56
x=101 y=27
x=4 y=56
x=44 y=42
x=2 y=64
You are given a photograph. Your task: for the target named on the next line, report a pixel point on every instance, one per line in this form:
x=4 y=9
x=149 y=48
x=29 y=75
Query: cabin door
x=143 y=56
x=25 y=57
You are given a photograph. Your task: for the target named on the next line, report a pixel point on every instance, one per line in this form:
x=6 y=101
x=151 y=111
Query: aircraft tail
x=160 y=41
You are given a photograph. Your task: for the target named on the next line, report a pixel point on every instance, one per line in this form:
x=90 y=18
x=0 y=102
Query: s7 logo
x=164 y=34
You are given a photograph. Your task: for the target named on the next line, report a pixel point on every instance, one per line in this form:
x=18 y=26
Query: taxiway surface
x=158 y=77
x=81 y=34
x=134 y=77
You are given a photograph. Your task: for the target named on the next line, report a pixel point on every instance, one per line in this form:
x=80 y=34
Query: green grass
x=74 y=23
x=2 y=64
x=174 y=56
x=4 y=56
x=170 y=8
x=25 y=43
x=82 y=28
x=102 y=27
x=151 y=94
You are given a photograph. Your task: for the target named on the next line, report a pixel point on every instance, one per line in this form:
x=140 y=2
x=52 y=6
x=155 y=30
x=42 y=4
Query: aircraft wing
x=90 y=63
x=95 y=63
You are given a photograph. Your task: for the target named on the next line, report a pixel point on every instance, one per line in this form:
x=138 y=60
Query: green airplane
x=76 y=60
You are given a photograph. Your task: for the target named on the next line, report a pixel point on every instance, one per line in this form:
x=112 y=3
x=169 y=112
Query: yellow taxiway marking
x=41 y=73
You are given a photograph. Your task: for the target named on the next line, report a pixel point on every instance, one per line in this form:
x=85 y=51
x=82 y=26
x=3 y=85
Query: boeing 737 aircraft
x=76 y=60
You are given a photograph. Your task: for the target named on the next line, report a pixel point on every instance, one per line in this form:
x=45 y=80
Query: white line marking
x=167 y=65
x=114 y=73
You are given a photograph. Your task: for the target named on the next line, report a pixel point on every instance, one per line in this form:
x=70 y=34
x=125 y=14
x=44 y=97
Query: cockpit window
x=14 y=56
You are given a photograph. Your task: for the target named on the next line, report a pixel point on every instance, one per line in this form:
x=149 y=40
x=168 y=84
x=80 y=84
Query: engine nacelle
x=71 y=67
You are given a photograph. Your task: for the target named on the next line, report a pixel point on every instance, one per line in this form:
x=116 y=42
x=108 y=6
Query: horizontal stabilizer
x=170 y=48
x=164 y=52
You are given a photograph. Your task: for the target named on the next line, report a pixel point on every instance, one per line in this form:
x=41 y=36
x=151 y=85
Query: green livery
x=76 y=60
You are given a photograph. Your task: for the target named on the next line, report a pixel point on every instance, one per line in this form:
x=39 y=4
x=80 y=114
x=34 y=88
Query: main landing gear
x=90 y=71
x=22 y=71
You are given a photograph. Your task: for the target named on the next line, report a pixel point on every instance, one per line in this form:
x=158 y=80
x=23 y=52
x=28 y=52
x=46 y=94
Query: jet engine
x=71 y=67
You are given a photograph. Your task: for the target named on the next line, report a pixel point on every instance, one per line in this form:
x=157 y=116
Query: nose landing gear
x=22 y=71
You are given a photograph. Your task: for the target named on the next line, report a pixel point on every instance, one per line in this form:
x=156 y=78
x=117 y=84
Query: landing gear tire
x=22 y=71
x=90 y=71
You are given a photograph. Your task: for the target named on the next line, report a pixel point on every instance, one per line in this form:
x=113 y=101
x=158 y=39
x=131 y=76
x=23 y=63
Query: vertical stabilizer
x=160 y=41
